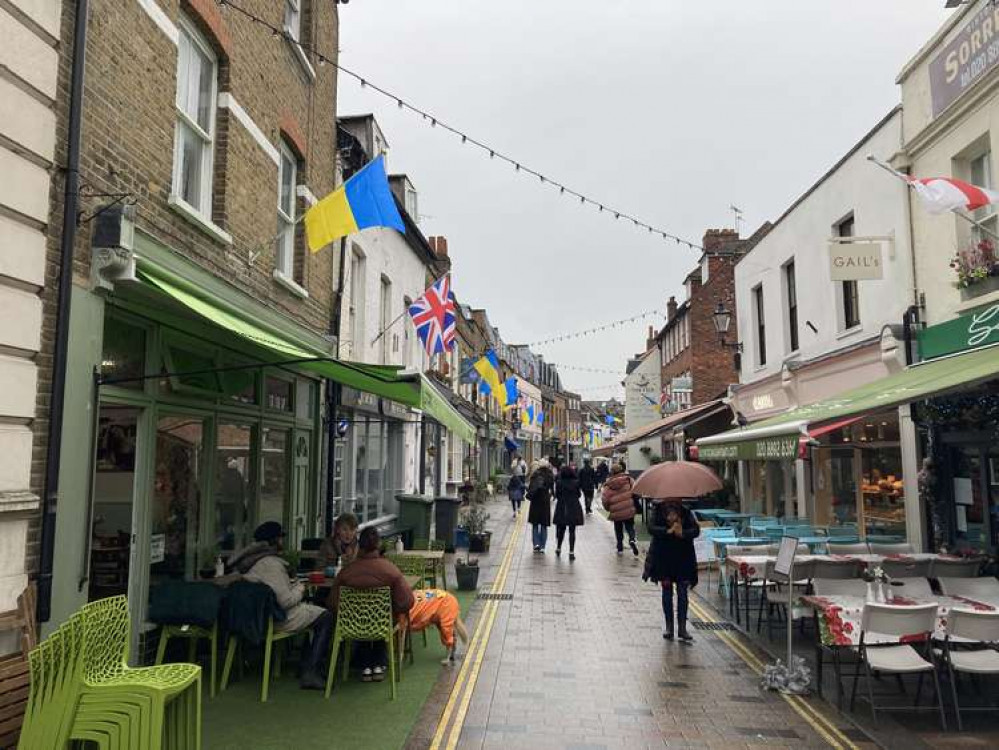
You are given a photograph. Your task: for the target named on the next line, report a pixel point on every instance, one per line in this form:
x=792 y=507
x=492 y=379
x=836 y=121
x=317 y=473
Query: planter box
x=978 y=289
x=480 y=542
x=468 y=577
x=461 y=538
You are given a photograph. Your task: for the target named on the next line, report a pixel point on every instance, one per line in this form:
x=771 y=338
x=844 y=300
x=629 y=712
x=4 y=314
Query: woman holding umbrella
x=671 y=561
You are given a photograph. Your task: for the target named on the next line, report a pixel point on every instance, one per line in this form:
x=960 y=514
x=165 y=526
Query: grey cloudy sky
x=672 y=110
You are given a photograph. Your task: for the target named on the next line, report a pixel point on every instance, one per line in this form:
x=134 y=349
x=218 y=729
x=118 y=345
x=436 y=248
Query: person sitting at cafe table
x=261 y=562
x=340 y=547
x=370 y=571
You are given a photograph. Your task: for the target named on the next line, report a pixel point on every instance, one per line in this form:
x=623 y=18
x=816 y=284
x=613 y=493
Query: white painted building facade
x=28 y=57
x=642 y=387
x=807 y=337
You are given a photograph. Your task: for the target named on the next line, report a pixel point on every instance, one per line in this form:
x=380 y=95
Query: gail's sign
x=854 y=261
x=970 y=331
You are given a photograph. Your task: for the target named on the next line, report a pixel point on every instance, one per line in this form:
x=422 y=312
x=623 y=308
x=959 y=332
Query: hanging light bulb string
x=596 y=329
x=435 y=122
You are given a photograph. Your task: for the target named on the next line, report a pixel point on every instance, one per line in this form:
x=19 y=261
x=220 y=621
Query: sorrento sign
x=966 y=59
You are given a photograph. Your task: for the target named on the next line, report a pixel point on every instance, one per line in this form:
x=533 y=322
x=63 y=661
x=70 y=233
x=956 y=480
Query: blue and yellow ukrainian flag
x=363 y=201
x=488 y=368
x=510 y=385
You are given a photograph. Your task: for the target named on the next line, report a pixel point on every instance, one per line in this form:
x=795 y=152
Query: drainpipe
x=71 y=194
x=333 y=396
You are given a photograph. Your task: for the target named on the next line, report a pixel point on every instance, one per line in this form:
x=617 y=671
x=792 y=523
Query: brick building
x=217 y=135
x=696 y=367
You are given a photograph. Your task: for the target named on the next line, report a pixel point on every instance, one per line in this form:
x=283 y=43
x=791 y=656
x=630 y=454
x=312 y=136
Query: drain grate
x=704 y=625
x=495 y=597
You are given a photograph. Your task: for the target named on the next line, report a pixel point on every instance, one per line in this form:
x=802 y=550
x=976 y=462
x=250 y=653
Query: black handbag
x=639 y=507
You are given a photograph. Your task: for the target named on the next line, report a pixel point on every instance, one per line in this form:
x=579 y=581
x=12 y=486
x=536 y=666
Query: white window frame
x=986 y=215
x=384 y=317
x=204 y=210
x=759 y=326
x=357 y=301
x=789 y=280
x=284 y=255
x=293 y=19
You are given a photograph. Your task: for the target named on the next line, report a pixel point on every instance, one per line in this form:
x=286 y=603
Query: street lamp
x=722 y=319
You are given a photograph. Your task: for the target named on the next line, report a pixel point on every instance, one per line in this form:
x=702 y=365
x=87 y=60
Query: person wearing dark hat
x=261 y=562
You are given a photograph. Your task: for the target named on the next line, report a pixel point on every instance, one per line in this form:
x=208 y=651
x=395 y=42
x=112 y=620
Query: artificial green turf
x=357 y=715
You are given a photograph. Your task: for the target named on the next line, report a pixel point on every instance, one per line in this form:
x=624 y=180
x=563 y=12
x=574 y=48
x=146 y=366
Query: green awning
x=436 y=405
x=386 y=381
x=777 y=437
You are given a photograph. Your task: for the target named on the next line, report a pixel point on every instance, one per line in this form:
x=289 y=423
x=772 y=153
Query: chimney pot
x=671 y=308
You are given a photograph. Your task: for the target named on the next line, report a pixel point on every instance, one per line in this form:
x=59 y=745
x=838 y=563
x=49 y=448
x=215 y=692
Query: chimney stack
x=671 y=308
x=439 y=245
x=717 y=239
x=650 y=341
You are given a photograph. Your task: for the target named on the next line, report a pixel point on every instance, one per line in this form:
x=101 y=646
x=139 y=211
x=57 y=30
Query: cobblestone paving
x=576 y=661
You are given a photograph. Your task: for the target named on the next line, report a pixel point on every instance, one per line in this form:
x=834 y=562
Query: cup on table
x=317 y=576
x=330 y=571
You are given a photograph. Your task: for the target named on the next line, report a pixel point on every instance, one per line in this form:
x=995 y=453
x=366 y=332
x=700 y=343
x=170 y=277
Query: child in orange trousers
x=437 y=607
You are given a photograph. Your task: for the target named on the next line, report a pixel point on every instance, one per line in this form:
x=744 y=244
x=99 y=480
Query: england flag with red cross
x=433 y=316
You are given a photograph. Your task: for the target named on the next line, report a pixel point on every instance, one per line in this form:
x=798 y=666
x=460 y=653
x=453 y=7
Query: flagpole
x=904 y=178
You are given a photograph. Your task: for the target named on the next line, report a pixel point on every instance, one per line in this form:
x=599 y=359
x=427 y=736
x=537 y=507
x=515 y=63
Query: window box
x=980 y=288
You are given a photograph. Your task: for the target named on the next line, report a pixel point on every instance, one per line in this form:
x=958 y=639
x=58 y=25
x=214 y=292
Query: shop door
x=176 y=552
x=300 y=525
x=973 y=486
x=113 y=515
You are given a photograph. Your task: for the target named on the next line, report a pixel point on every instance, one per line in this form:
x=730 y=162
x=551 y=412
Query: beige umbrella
x=677 y=480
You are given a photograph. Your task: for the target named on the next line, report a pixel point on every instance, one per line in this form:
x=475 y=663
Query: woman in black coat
x=539 y=491
x=568 y=509
x=672 y=561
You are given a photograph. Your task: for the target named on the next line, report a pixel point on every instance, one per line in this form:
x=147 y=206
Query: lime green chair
x=363 y=615
x=411 y=565
x=272 y=653
x=166 y=698
x=51 y=706
x=193 y=634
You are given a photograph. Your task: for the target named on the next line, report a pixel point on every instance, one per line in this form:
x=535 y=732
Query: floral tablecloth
x=840 y=616
x=752 y=566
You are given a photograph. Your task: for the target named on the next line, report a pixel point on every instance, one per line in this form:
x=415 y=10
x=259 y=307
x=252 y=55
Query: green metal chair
x=193 y=634
x=271 y=655
x=410 y=565
x=363 y=615
x=168 y=697
x=51 y=703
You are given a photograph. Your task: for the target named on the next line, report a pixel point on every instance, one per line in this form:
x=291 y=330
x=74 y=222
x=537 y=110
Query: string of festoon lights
x=577 y=368
x=605 y=387
x=597 y=329
x=435 y=122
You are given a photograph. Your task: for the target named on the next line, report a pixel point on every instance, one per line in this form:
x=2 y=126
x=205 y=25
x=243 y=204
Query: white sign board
x=157 y=548
x=704 y=549
x=850 y=262
x=785 y=555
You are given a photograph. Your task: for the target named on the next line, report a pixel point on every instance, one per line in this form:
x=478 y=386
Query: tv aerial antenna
x=737 y=213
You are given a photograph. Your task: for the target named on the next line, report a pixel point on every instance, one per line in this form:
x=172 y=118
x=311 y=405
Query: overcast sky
x=671 y=110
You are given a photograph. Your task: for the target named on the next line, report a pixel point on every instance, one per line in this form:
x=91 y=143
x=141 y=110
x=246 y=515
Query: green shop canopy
x=778 y=437
x=410 y=389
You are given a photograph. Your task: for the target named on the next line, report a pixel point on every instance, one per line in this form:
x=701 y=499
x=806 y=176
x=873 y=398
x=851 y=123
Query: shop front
x=856 y=455
x=193 y=415
x=959 y=480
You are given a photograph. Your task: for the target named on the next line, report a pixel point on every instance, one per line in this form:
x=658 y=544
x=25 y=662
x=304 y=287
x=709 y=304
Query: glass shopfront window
x=233 y=482
x=857 y=477
x=274 y=461
x=375 y=468
x=176 y=499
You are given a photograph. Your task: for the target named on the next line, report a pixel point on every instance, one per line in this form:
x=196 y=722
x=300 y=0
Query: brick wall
x=128 y=144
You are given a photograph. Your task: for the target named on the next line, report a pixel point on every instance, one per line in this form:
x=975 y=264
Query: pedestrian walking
x=672 y=561
x=602 y=472
x=539 y=492
x=588 y=483
x=568 y=510
x=515 y=490
x=619 y=503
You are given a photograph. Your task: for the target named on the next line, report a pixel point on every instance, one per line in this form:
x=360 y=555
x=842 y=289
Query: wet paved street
x=575 y=660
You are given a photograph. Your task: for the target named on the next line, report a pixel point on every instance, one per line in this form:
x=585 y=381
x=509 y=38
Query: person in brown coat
x=371 y=571
x=617 y=500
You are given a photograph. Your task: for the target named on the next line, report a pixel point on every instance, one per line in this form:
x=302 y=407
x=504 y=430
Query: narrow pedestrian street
x=575 y=661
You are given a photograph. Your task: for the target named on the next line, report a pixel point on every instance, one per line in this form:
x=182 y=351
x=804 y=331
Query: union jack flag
x=433 y=315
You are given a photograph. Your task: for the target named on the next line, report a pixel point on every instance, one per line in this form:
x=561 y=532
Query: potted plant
x=467 y=572
x=475 y=521
x=977 y=269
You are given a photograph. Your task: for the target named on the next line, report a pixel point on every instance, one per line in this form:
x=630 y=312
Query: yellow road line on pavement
x=476 y=650
x=829 y=731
